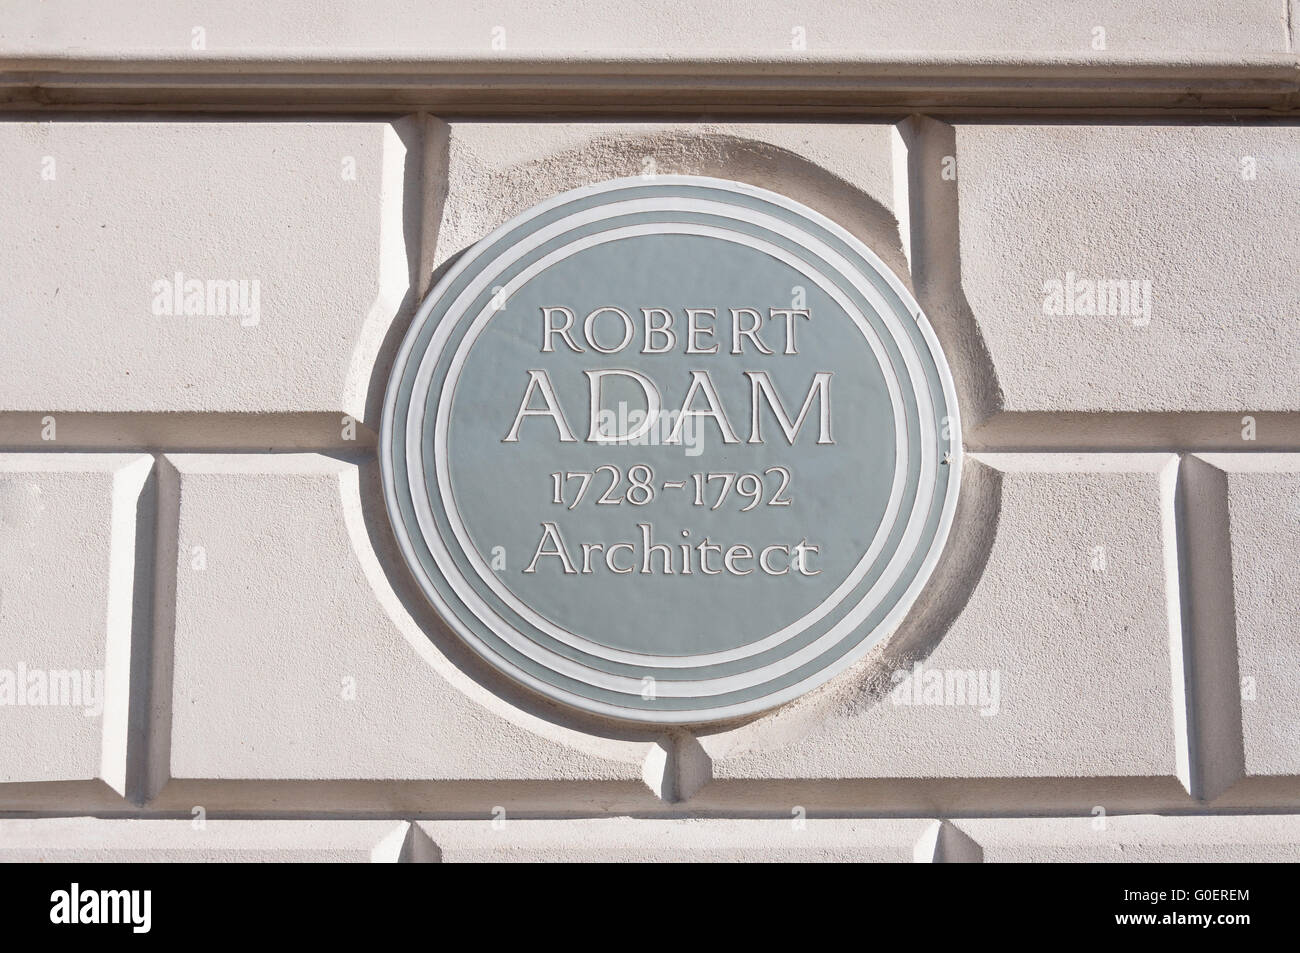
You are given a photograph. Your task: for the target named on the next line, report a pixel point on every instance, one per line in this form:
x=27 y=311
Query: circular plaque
x=670 y=449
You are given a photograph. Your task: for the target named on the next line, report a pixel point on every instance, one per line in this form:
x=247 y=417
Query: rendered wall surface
x=191 y=517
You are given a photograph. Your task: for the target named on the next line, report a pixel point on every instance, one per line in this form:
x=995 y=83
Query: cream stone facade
x=220 y=219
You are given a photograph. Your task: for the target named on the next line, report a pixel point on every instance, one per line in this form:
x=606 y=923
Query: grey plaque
x=670 y=449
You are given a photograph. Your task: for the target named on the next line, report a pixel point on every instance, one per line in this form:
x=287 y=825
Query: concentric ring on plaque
x=677 y=699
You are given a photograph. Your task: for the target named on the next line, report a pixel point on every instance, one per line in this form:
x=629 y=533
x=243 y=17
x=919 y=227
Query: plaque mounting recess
x=670 y=450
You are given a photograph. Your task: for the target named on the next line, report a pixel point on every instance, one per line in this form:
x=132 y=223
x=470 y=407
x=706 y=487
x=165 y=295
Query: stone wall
x=1099 y=225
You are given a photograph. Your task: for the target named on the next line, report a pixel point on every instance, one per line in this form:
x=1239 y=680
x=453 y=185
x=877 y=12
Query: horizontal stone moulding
x=198 y=839
x=58 y=431
x=1099 y=838
x=797 y=838
x=1095 y=837
x=675 y=30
